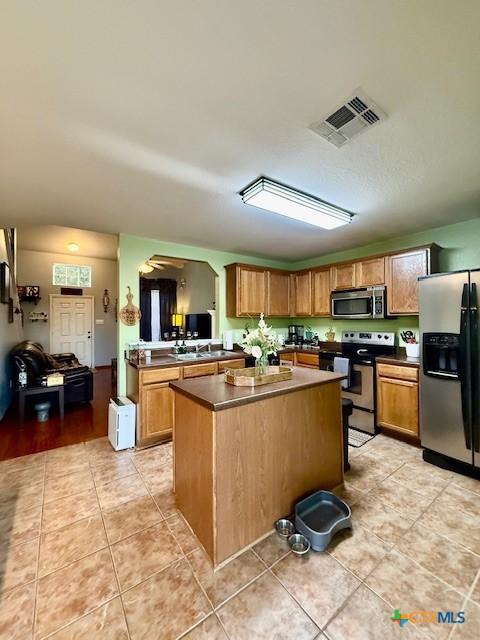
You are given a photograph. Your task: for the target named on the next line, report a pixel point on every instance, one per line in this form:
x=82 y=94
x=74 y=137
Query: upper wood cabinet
x=278 y=293
x=321 y=292
x=283 y=294
x=246 y=290
x=369 y=273
x=302 y=293
x=342 y=276
x=403 y=271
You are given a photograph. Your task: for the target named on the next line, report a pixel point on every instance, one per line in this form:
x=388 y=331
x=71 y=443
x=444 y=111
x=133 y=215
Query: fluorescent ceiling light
x=269 y=195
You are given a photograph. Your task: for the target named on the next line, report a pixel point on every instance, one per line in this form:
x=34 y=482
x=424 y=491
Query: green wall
x=134 y=250
x=460 y=250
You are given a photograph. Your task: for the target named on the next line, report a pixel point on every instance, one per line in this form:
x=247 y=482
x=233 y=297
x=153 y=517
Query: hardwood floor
x=82 y=422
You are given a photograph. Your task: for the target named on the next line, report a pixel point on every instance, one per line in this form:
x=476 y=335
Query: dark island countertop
x=215 y=394
x=400 y=358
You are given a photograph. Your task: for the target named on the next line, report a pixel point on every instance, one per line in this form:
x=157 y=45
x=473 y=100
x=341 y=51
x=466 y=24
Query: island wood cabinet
x=150 y=389
x=403 y=271
x=397 y=398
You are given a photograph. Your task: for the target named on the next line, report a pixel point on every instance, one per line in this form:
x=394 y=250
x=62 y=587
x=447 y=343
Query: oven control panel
x=385 y=338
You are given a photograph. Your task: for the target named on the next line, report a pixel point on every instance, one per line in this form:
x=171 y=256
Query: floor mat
x=358 y=438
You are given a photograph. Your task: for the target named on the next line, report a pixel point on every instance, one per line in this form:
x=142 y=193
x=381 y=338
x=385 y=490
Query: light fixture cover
x=73 y=247
x=145 y=268
x=272 y=196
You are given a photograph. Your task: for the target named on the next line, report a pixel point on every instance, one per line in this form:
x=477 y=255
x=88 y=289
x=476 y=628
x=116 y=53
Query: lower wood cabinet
x=150 y=390
x=231 y=364
x=156 y=413
x=310 y=360
x=397 y=398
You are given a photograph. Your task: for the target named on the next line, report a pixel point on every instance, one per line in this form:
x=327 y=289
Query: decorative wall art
x=130 y=314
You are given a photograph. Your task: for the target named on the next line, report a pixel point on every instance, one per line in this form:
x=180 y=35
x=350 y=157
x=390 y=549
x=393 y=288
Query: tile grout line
x=319 y=627
x=112 y=560
x=37 y=577
x=466 y=600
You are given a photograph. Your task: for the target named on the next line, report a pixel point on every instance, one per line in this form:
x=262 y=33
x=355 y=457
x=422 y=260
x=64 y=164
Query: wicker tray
x=247 y=377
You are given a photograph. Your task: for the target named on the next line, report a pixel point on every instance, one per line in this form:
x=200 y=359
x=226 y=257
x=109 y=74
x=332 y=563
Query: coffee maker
x=295 y=333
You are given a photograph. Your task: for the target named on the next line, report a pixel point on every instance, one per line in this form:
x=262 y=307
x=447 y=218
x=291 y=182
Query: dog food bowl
x=299 y=544
x=320 y=516
x=284 y=528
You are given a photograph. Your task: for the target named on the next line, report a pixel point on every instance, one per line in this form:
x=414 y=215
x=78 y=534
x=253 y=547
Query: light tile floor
x=92 y=546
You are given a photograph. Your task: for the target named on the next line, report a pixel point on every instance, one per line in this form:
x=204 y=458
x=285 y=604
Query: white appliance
x=121 y=423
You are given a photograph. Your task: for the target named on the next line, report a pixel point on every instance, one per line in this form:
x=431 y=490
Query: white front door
x=71 y=326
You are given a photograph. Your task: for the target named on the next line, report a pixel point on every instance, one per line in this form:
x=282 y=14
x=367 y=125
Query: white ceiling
x=54 y=239
x=148 y=117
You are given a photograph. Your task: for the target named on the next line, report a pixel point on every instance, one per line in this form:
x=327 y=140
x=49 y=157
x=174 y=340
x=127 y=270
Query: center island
x=244 y=456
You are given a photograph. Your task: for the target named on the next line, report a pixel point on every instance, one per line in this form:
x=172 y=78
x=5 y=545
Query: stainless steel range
x=361 y=348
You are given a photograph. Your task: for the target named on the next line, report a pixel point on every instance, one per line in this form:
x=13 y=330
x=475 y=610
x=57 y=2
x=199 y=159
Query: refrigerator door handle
x=475 y=374
x=463 y=366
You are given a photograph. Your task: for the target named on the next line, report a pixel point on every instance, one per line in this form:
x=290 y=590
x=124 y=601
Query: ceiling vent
x=356 y=114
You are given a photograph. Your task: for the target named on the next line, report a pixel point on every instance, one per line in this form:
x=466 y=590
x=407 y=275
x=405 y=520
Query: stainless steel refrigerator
x=450 y=366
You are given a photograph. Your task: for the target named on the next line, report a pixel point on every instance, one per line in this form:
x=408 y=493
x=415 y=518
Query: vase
x=261 y=366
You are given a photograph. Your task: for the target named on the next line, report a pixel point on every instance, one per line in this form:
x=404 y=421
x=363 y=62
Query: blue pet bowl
x=320 y=516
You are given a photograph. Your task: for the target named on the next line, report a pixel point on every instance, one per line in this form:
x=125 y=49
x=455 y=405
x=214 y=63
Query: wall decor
x=130 y=314
x=105 y=300
x=29 y=293
x=10 y=311
x=4 y=283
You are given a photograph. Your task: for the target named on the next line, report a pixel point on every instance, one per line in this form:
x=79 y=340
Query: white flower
x=256 y=352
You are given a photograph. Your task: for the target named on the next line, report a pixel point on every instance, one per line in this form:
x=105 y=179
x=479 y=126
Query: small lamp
x=106 y=300
x=177 y=320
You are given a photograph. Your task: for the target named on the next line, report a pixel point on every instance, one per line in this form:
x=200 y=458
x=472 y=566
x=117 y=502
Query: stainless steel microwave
x=359 y=303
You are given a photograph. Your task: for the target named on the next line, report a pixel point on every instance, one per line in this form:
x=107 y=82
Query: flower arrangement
x=260 y=343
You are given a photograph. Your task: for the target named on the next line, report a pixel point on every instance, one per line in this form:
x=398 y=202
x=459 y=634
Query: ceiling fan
x=157 y=262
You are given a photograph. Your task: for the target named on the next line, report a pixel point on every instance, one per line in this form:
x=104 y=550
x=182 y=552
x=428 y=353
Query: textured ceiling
x=54 y=239
x=148 y=117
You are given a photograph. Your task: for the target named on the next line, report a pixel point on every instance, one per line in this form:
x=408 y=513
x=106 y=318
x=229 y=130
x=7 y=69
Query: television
x=201 y=322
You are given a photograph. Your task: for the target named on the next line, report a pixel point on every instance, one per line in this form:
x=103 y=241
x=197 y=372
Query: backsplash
x=321 y=325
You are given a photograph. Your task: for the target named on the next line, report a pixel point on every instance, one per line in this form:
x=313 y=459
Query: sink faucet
x=199 y=347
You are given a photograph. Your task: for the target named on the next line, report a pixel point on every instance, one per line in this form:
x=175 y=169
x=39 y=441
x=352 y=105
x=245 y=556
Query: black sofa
x=78 y=379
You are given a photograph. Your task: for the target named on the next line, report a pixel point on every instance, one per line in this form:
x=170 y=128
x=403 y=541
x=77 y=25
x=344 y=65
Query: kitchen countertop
x=161 y=362
x=215 y=394
x=399 y=358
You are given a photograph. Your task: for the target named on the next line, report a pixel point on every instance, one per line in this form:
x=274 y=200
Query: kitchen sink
x=220 y=354
x=201 y=355
x=188 y=356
